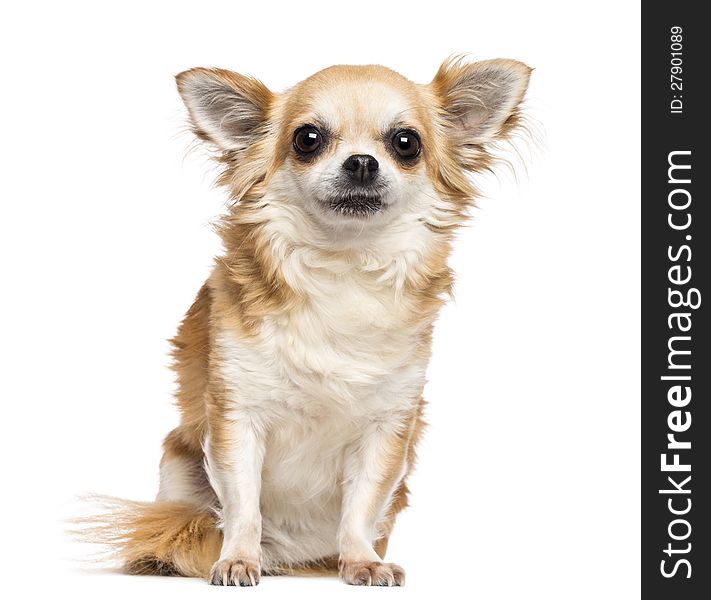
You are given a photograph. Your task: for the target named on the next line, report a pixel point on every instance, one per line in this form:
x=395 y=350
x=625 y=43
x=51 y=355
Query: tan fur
x=191 y=348
x=251 y=286
x=151 y=538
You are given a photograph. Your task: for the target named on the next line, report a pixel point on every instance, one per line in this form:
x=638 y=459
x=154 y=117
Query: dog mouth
x=355 y=204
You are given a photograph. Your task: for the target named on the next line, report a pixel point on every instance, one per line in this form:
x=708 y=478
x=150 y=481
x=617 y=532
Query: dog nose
x=361 y=167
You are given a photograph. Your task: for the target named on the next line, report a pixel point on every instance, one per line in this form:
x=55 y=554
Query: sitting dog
x=302 y=361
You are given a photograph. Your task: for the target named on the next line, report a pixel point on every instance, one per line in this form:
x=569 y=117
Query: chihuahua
x=301 y=362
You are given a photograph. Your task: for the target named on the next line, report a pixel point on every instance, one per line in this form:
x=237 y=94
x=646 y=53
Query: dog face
x=358 y=147
x=355 y=153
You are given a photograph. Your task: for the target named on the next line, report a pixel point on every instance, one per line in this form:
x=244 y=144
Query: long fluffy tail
x=154 y=538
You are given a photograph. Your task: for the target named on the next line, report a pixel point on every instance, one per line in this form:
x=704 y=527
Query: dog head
x=355 y=148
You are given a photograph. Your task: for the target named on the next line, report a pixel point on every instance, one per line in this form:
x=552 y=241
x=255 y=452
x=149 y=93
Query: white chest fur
x=348 y=350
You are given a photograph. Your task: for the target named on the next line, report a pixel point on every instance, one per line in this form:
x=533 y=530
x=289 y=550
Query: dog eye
x=406 y=144
x=307 y=139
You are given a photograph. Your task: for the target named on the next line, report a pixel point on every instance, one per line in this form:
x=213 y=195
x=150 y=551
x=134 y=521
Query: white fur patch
x=315 y=382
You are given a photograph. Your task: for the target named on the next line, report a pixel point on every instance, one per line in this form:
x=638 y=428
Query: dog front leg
x=374 y=465
x=235 y=453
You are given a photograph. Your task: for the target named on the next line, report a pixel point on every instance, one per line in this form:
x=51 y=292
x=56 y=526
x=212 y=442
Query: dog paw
x=371 y=573
x=236 y=571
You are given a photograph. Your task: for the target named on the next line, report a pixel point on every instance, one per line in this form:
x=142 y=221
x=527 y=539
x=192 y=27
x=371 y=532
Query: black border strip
x=676 y=264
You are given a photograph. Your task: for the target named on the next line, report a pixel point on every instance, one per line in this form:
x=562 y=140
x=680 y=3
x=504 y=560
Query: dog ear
x=479 y=101
x=227 y=109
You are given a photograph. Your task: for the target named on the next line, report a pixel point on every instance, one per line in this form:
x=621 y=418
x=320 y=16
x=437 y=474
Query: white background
x=528 y=481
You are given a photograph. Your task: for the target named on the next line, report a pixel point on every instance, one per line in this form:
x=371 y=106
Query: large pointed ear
x=480 y=100
x=226 y=108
